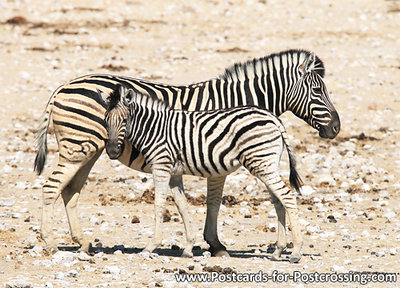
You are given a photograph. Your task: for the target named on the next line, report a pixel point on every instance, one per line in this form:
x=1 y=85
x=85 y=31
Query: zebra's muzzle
x=114 y=149
x=332 y=129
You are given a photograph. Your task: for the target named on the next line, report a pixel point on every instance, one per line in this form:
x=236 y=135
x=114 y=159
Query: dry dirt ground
x=350 y=218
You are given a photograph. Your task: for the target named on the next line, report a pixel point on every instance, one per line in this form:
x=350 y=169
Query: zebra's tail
x=41 y=137
x=294 y=177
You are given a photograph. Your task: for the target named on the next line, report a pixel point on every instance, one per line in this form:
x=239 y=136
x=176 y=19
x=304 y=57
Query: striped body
x=205 y=143
x=291 y=80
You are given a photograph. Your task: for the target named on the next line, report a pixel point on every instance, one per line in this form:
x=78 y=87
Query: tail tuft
x=294 y=177
x=41 y=143
x=40 y=160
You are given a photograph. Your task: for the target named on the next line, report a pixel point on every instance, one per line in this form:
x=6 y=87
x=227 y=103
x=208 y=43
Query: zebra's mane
x=143 y=100
x=250 y=68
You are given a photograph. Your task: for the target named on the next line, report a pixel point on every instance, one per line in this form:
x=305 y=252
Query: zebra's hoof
x=222 y=253
x=275 y=257
x=187 y=254
x=85 y=248
x=50 y=250
x=295 y=258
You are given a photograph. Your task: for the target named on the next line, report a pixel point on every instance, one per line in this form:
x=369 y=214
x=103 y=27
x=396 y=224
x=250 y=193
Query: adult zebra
x=211 y=143
x=291 y=80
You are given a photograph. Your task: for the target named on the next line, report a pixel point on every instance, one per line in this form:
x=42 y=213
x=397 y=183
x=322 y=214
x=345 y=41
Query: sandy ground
x=350 y=219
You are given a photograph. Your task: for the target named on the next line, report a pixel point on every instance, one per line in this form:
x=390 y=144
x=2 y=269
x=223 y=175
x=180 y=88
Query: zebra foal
x=210 y=144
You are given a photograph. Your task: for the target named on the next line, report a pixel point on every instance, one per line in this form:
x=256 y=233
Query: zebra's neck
x=145 y=119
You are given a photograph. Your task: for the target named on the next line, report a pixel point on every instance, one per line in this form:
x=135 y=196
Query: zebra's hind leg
x=55 y=184
x=278 y=188
x=178 y=192
x=281 y=243
x=161 y=181
x=70 y=196
x=215 y=186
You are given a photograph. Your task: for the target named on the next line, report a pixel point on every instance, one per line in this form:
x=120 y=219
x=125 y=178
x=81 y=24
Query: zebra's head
x=117 y=118
x=310 y=101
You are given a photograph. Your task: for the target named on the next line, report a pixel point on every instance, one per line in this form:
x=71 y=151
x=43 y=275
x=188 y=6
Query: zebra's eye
x=317 y=90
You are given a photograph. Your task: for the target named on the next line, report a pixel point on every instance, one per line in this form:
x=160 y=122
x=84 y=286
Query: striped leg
x=281 y=213
x=161 y=180
x=287 y=199
x=52 y=189
x=70 y=196
x=178 y=193
x=266 y=169
x=215 y=186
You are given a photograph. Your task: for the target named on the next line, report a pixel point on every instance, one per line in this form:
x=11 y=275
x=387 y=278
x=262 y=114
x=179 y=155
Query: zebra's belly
x=207 y=170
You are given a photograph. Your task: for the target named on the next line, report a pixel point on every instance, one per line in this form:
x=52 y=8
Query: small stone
x=272 y=226
x=312 y=229
x=356 y=198
x=272 y=214
x=326 y=180
x=17 y=284
x=320 y=207
x=72 y=274
x=229 y=242
x=7 y=202
x=244 y=204
x=244 y=211
x=36 y=251
x=338 y=269
x=43 y=263
x=347 y=262
x=145 y=255
x=381 y=253
x=82 y=256
x=59 y=275
x=303 y=223
x=135 y=220
x=201 y=210
x=229 y=222
x=389 y=214
x=65 y=258
x=16 y=215
x=165 y=260
x=206 y=254
x=365 y=234
x=112 y=270
x=94 y=220
x=393 y=251
x=306 y=190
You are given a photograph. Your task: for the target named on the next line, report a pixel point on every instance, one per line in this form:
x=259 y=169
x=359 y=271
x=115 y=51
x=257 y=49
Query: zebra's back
x=217 y=142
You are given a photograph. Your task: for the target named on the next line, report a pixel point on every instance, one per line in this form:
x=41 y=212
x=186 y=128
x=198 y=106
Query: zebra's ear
x=308 y=64
x=104 y=96
x=127 y=95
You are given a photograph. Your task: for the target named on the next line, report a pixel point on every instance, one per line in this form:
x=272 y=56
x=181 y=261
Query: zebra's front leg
x=215 y=186
x=161 y=180
x=178 y=192
x=281 y=243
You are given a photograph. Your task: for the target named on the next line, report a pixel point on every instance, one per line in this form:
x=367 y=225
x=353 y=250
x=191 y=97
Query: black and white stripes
x=203 y=143
x=286 y=81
